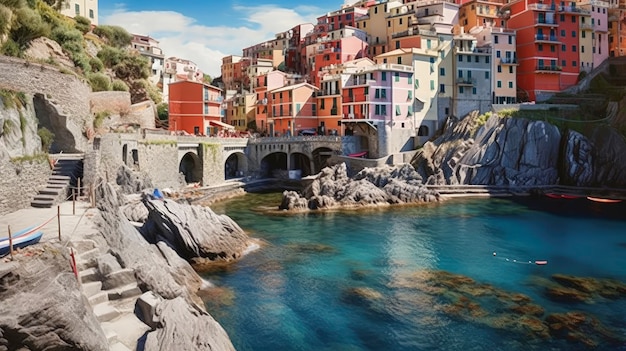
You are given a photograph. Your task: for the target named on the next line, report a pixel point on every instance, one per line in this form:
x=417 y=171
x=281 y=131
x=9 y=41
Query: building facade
x=195 y=108
x=84 y=8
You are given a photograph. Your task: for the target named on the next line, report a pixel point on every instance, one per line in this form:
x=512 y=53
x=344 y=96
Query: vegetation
x=163 y=111
x=12 y=99
x=39 y=158
x=47 y=137
x=99 y=82
x=599 y=85
x=99 y=117
x=27 y=26
x=83 y=24
x=153 y=93
x=96 y=64
x=119 y=85
x=114 y=35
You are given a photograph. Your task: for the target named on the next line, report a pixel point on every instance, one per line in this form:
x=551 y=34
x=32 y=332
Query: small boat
x=541 y=262
x=358 y=154
x=603 y=200
x=20 y=242
x=19 y=233
x=553 y=196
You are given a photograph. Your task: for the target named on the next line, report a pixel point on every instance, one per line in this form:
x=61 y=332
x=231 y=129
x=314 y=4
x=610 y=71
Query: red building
x=547 y=45
x=195 y=108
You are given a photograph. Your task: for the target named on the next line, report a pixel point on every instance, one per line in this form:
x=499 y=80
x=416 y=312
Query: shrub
x=5 y=19
x=10 y=48
x=83 y=24
x=14 y=4
x=47 y=137
x=153 y=92
x=119 y=85
x=99 y=82
x=163 y=111
x=116 y=36
x=82 y=61
x=27 y=26
x=110 y=56
x=96 y=64
x=99 y=117
x=52 y=16
x=132 y=67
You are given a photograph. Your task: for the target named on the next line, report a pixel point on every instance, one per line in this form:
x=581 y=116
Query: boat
x=603 y=200
x=19 y=242
x=359 y=154
x=19 y=233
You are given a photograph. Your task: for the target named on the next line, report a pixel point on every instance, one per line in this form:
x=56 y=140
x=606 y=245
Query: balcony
x=586 y=26
x=573 y=10
x=546 y=38
x=548 y=69
x=466 y=81
x=542 y=7
x=546 y=22
x=504 y=61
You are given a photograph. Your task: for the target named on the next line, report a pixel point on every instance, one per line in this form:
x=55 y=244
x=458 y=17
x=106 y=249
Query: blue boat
x=19 y=233
x=19 y=242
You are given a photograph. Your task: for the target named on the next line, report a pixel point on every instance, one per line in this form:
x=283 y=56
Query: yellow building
x=85 y=8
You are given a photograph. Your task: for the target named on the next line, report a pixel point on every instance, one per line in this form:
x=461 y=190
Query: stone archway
x=235 y=166
x=302 y=162
x=273 y=163
x=191 y=167
x=320 y=158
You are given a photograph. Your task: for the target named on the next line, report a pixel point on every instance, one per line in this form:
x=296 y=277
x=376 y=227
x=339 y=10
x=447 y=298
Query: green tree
x=5 y=20
x=207 y=79
x=132 y=67
x=163 y=111
x=116 y=36
x=110 y=56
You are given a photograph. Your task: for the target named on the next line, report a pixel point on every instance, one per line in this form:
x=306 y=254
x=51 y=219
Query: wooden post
x=78 y=186
x=10 y=243
x=59 y=220
x=73 y=201
x=93 y=196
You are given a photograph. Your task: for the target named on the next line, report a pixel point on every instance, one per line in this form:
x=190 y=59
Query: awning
x=221 y=124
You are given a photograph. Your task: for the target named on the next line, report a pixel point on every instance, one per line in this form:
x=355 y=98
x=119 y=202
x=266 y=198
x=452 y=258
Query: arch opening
x=274 y=164
x=235 y=166
x=320 y=158
x=301 y=162
x=191 y=167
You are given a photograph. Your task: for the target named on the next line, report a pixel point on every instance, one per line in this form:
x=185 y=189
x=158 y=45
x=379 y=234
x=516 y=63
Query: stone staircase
x=67 y=170
x=112 y=292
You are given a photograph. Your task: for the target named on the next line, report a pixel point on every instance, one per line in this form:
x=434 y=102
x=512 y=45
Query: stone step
x=126 y=291
x=42 y=197
x=105 y=312
x=118 y=346
x=82 y=246
x=58 y=177
x=92 y=288
x=64 y=182
x=56 y=185
x=98 y=298
x=50 y=191
x=90 y=275
x=41 y=204
x=110 y=334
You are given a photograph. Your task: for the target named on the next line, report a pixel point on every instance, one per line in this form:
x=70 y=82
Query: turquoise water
x=363 y=280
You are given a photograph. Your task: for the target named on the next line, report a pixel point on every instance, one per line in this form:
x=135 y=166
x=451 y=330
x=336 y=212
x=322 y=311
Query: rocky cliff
x=522 y=152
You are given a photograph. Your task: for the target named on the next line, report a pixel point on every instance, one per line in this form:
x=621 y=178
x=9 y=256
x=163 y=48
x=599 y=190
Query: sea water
x=359 y=280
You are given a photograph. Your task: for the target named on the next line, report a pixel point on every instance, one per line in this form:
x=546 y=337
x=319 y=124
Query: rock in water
x=380 y=186
x=42 y=307
x=195 y=232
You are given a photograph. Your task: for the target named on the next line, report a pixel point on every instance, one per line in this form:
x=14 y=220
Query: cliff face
x=517 y=152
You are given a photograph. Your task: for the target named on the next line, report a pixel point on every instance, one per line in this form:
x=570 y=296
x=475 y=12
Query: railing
x=466 y=81
x=549 y=68
x=586 y=26
x=573 y=9
x=508 y=60
x=543 y=37
x=546 y=21
x=542 y=7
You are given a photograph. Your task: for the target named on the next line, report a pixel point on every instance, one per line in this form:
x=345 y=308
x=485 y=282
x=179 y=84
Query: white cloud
x=206 y=45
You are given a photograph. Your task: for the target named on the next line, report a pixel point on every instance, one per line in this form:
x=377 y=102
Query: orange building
x=548 y=48
x=617 y=28
x=481 y=13
x=292 y=109
x=195 y=108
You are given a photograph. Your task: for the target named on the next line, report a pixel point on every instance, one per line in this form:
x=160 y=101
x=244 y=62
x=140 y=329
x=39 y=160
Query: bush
x=99 y=117
x=119 y=85
x=51 y=16
x=99 y=82
x=163 y=111
x=14 y=4
x=96 y=64
x=10 y=48
x=132 y=67
x=116 y=36
x=47 y=137
x=153 y=92
x=83 y=24
x=5 y=20
x=27 y=26
x=82 y=61
x=110 y=56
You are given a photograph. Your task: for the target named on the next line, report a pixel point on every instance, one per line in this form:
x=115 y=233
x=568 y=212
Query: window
x=460 y=58
x=442 y=88
x=460 y=74
x=383 y=76
x=442 y=71
x=383 y=93
x=461 y=90
x=562 y=31
x=486 y=74
x=383 y=109
x=377 y=94
x=77 y=9
x=398 y=111
x=399 y=60
x=573 y=34
x=511 y=84
x=573 y=48
x=582 y=48
x=498 y=53
x=495 y=39
x=476 y=59
x=540 y=47
x=90 y=13
x=499 y=69
x=322 y=104
x=563 y=63
x=562 y=18
x=552 y=48
x=410 y=95
x=397 y=44
x=377 y=110
x=583 y=34
x=499 y=84
x=511 y=39
x=510 y=69
x=428 y=43
x=397 y=75
x=432 y=84
x=486 y=59
x=573 y=19
x=563 y=47
x=388 y=23
x=574 y=64
x=474 y=90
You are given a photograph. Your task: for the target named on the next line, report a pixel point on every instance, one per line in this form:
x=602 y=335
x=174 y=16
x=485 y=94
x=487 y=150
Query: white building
x=176 y=70
x=85 y=8
x=149 y=47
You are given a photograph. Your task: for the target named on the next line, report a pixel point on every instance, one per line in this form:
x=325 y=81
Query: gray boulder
x=194 y=232
x=42 y=307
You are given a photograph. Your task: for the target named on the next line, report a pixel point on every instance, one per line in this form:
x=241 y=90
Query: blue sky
x=204 y=32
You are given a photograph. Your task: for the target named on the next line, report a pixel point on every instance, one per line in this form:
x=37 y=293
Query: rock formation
x=42 y=307
x=332 y=188
x=18 y=126
x=194 y=232
x=179 y=311
x=522 y=152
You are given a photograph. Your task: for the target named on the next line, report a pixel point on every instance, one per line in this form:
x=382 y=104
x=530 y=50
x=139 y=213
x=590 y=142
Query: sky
x=203 y=31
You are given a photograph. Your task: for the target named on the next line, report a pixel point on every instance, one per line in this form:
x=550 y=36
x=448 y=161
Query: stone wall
x=20 y=182
x=115 y=102
x=67 y=91
x=121 y=113
x=159 y=159
x=212 y=156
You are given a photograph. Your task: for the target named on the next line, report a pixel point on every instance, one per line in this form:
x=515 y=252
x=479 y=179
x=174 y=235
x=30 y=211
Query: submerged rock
x=381 y=186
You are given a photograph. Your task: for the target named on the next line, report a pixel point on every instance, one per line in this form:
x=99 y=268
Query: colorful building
x=337 y=47
x=481 y=13
x=265 y=83
x=617 y=27
x=149 y=48
x=292 y=109
x=472 y=76
x=195 y=108
x=84 y=8
x=503 y=62
x=176 y=70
